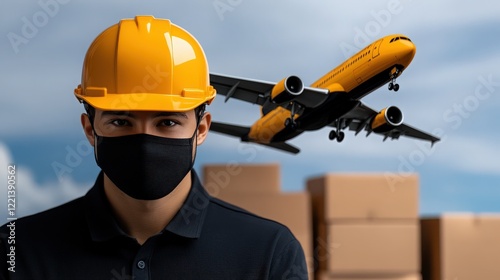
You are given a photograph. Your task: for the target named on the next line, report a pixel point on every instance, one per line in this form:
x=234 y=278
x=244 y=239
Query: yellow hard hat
x=145 y=64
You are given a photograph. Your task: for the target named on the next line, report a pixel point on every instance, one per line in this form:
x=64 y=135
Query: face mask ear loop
x=95 y=148
x=194 y=138
x=91 y=119
x=95 y=138
x=198 y=121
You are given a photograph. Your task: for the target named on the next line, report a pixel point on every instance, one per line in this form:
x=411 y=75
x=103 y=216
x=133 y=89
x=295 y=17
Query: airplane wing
x=242 y=132
x=258 y=92
x=359 y=119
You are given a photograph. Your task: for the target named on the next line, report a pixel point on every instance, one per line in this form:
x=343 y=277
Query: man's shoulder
x=261 y=236
x=237 y=217
x=236 y=211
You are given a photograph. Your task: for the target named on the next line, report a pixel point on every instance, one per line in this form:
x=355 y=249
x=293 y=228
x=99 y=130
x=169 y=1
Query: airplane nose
x=411 y=49
x=407 y=51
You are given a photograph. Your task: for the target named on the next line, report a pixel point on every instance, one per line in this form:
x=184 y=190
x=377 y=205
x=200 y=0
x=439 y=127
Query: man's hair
x=90 y=112
x=198 y=111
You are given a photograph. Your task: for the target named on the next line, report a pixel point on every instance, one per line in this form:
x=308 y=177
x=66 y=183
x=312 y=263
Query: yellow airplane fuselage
x=367 y=70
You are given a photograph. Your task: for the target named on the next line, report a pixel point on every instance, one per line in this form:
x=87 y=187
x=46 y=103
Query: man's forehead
x=151 y=114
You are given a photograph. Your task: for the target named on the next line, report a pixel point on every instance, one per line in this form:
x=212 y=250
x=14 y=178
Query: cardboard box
x=364 y=196
x=237 y=177
x=369 y=248
x=326 y=276
x=461 y=246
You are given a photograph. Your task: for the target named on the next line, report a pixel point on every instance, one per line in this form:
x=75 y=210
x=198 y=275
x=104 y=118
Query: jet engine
x=387 y=119
x=287 y=90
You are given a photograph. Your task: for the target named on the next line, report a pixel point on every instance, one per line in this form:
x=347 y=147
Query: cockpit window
x=397 y=38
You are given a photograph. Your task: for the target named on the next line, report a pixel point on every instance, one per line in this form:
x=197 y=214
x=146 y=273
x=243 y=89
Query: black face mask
x=144 y=166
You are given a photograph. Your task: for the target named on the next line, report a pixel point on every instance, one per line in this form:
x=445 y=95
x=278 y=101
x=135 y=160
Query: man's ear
x=203 y=128
x=87 y=128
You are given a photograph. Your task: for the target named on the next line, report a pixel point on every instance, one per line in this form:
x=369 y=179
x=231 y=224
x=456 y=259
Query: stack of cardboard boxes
x=461 y=246
x=366 y=226
x=257 y=188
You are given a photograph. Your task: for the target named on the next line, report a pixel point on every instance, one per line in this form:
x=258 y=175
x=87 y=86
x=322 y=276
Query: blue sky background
x=452 y=88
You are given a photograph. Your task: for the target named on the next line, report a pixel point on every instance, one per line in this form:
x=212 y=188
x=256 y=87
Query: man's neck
x=142 y=219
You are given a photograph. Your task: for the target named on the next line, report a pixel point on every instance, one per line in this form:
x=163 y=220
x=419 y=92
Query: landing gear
x=392 y=84
x=334 y=135
x=290 y=122
x=337 y=133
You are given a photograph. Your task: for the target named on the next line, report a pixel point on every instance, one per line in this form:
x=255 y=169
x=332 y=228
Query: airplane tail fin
x=242 y=133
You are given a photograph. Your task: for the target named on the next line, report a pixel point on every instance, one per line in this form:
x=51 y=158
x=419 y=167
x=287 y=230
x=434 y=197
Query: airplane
x=289 y=108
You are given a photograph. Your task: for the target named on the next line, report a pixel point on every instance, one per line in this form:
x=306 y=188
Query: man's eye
x=120 y=122
x=167 y=123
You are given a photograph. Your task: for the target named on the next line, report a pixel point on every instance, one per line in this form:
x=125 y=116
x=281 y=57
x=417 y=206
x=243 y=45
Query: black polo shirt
x=206 y=239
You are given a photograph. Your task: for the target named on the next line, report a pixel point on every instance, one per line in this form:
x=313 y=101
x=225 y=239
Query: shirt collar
x=188 y=221
x=102 y=224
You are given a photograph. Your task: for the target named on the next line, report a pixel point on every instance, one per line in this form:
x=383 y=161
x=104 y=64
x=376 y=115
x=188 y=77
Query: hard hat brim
x=143 y=102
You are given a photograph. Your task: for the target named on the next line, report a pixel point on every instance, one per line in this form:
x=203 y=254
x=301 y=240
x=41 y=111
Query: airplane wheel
x=391 y=86
x=340 y=137
x=332 y=135
x=289 y=123
x=396 y=87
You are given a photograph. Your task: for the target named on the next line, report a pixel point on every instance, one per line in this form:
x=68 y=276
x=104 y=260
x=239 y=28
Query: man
x=145 y=86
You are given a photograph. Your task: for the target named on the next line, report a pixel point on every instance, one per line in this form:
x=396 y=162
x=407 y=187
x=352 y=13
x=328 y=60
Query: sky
x=450 y=89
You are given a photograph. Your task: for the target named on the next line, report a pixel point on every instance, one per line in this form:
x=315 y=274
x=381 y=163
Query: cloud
x=300 y=38
x=270 y=40
x=31 y=197
x=470 y=154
